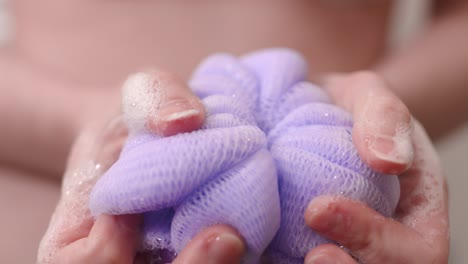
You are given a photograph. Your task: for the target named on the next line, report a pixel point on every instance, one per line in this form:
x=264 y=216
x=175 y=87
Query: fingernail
x=224 y=247
x=389 y=131
x=326 y=219
x=395 y=148
x=177 y=110
x=321 y=259
x=176 y=116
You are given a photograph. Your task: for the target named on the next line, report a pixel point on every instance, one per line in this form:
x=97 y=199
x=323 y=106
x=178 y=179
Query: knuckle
x=101 y=252
x=108 y=255
x=368 y=77
x=393 y=108
x=364 y=242
x=383 y=100
x=368 y=244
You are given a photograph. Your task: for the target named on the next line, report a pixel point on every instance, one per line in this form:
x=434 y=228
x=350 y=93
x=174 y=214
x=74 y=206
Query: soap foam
x=424 y=204
x=141 y=98
x=72 y=214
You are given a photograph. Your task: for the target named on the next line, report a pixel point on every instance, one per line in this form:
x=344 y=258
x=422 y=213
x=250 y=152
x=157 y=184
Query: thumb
x=214 y=245
x=91 y=154
x=161 y=102
x=382 y=130
x=370 y=236
x=112 y=239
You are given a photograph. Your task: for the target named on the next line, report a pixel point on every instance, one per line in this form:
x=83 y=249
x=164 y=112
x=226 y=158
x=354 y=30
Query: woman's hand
x=390 y=141
x=74 y=236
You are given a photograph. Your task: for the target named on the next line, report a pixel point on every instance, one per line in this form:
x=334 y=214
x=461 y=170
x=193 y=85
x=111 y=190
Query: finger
x=214 y=245
x=382 y=123
x=91 y=154
x=161 y=102
x=328 y=253
x=367 y=234
x=113 y=239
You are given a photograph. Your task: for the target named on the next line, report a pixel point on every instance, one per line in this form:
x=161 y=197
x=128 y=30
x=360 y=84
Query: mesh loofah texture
x=268 y=135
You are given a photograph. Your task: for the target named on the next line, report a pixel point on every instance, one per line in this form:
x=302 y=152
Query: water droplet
x=342 y=192
x=98 y=166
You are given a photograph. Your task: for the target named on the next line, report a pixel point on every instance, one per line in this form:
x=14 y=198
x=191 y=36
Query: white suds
x=140 y=99
x=72 y=212
x=403 y=149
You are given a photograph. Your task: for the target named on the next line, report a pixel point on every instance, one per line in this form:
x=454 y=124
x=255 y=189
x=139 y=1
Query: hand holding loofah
x=270 y=143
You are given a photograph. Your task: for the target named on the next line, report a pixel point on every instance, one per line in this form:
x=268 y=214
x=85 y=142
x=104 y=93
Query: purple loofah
x=270 y=143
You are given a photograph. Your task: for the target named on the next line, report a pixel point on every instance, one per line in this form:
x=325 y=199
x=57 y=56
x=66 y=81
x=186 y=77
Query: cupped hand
x=390 y=141
x=74 y=236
